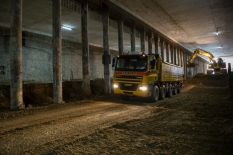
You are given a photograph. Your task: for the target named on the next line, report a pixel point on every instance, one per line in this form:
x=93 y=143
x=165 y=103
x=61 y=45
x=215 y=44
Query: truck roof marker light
x=124 y=53
x=143 y=53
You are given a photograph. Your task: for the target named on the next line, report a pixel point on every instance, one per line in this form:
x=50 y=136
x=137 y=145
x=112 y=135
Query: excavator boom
x=215 y=66
x=201 y=52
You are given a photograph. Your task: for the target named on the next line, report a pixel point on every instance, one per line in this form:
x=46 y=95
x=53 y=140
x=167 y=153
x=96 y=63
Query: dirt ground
x=197 y=121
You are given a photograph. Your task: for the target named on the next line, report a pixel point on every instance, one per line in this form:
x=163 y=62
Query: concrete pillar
x=142 y=37
x=175 y=56
x=106 y=56
x=203 y=67
x=157 y=40
x=150 y=43
x=162 y=50
x=16 y=86
x=165 y=51
x=120 y=36
x=172 y=53
x=229 y=78
x=168 y=52
x=181 y=58
x=185 y=66
x=86 y=88
x=132 y=38
x=178 y=56
x=57 y=53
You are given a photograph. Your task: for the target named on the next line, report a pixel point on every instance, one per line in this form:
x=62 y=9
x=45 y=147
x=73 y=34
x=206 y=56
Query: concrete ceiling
x=190 y=23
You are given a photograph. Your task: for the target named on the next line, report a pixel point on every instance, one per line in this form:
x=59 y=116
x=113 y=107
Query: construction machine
x=216 y=65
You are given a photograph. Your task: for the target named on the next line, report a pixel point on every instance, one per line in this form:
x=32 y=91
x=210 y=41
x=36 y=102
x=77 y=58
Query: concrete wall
x=4 y=58
x=37 y=59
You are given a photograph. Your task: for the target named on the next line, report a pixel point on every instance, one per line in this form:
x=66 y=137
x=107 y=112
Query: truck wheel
x=162 y=92
x=155 y=94
x=170 y=90
x=179 y=87
x=124 y=97
x=175 y=89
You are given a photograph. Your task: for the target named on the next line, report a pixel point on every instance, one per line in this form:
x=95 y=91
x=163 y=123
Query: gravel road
x=197 y=121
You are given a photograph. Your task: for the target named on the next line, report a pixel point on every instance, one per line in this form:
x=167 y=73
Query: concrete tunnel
x=64 y=40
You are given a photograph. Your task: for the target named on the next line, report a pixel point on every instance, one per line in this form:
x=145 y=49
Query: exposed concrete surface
x=37 y=61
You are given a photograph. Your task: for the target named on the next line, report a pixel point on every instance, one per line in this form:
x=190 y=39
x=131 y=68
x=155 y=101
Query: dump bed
x=171 y=72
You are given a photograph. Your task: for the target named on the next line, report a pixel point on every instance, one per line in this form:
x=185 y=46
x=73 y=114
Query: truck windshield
x=131 y=64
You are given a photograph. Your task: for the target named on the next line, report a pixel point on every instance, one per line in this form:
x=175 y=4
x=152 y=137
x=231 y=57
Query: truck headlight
x=143 y=88
x=115 y=85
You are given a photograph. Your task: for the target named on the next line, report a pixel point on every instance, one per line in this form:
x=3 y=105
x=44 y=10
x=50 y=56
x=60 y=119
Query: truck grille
x=122 y=78
x=132 y=87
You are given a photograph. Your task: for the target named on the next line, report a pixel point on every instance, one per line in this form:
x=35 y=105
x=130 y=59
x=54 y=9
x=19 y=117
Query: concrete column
x=16 y=86
x=188 y=69
x=150 y=43
x=86 y=88
x=181 y=58
x=178 y=56
x=203 y=67
x=175 y=56
x=162 y=51
x=172 y=53
x=142 y=37
x=185 y=66
x=106 y=56
x=57 y=53
x=229 y=78
x=120 y=37
x=156 y=45
x=132 y=38
x=168 y=53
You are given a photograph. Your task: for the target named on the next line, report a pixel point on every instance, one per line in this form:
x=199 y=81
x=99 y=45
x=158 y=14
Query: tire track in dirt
x=30 y=132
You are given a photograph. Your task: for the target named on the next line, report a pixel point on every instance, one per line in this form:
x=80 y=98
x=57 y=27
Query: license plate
x=128 y=85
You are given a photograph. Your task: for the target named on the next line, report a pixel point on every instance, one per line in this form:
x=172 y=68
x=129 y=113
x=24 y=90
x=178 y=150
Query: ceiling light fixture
x=220 y=46
x=66 y=27
x=217 y=33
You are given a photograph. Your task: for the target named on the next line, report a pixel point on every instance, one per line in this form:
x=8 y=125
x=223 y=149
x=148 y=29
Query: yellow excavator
x=216 y=66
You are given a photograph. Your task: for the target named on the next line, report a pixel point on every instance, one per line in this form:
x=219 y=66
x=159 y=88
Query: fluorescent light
x=66 y=27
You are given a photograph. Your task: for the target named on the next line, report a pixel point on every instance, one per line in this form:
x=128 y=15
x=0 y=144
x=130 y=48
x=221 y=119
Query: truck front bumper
x=142 y=90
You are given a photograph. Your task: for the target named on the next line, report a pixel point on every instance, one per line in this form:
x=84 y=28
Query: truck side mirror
x=152 y=64
x=113 y=62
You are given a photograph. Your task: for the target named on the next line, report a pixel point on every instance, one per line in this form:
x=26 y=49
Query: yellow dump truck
x=146 y=76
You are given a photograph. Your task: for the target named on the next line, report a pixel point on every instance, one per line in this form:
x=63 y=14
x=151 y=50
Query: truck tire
x=162 y=92
x=175 y=89
x=170 y=90
x=155 y=94
x=179 y=87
